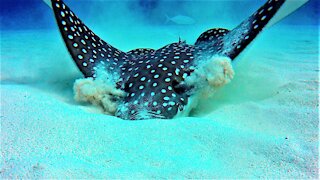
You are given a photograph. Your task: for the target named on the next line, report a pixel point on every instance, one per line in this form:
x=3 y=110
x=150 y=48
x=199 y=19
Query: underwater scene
x=174 y=89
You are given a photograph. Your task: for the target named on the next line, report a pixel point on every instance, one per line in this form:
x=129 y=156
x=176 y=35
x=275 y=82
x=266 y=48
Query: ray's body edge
x=152 y=79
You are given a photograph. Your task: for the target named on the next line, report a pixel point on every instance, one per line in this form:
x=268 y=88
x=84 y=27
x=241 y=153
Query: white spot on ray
x=184 y=75
x=260 y=12
x=177 y=71
x=172 y=103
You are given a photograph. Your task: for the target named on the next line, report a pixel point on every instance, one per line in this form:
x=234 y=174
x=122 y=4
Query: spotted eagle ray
x=155 y=82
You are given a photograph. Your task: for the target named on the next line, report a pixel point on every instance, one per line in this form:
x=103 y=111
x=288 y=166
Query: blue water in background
x=34 y=14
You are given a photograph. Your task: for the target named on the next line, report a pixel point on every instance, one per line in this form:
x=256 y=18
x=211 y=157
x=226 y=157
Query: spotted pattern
x=140 y=52
x=154 y=80
x=211 y=35
x=234 y=42
x=85 y=47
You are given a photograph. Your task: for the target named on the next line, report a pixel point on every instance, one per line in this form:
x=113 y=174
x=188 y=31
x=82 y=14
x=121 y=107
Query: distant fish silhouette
x=162 y=83
x=180 y=20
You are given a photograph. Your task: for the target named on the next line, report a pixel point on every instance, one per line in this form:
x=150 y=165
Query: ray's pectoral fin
x=236 y=40
x=140 y=52
x=211 y=35
x=86 y=48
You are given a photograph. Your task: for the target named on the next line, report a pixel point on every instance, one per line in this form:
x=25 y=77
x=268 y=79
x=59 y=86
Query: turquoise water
x=264 y=124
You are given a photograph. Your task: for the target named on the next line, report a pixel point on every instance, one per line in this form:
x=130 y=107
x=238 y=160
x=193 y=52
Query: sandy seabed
x=264 y=124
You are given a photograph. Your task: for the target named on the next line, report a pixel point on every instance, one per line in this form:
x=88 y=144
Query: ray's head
x=154 y=83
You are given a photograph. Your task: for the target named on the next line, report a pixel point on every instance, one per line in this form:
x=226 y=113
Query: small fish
x=159 y=83
x=181 y=20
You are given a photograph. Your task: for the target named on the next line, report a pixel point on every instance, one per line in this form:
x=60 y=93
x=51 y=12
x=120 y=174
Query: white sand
x=264 y=124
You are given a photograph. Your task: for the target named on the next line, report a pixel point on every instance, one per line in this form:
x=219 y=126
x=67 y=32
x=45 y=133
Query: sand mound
x=100 y=91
